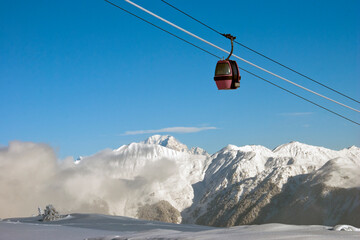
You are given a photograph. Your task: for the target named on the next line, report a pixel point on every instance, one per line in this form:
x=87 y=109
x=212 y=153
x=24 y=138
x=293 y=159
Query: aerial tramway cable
x=301 y=97
x=239 y=67
x=242 y=59
x=160 y=28
x=263 y=55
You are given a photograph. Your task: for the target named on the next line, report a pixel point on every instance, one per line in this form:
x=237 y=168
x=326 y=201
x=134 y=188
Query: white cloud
x=32 y=176
x=294 y=114
x=170 y=130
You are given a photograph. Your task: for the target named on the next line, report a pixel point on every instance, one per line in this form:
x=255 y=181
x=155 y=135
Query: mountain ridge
x=161 y=178
x=236 y=174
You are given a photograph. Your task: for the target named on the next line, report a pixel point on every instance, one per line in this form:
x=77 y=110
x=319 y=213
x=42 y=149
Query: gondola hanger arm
x=232 y=38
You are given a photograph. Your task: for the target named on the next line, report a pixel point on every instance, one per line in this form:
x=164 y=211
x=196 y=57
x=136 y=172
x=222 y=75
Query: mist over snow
x=161 y=178
x=112 y=181
x=29 y=177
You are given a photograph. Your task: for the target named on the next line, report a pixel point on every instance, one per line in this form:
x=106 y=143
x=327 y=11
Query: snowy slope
x=102 y=227
x=329 y=196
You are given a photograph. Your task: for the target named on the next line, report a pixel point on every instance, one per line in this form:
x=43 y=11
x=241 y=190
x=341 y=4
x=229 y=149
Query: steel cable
x=239 y=67
x=263 y=55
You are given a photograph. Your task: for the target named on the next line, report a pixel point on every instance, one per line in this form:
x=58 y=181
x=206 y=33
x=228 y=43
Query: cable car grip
x=232 y=38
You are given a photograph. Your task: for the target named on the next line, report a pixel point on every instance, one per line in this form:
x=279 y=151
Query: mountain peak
x=294 y=146
x=166 y=141
x=353 y=148
x=246 y=148
x=230 y=147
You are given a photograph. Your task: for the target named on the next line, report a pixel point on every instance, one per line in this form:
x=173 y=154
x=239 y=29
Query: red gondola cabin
x=227 y=75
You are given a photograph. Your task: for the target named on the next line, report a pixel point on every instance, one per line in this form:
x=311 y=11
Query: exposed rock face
x=225 y=210
x=161 y=211
x=307 y=202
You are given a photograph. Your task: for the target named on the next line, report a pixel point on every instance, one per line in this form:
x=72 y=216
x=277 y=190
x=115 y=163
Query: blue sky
x=83 y=75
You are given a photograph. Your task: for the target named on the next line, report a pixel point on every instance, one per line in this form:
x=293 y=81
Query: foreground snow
x=102 y=227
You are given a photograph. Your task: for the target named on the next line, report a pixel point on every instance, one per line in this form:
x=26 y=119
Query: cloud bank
x=32 y=176
x=170 y=130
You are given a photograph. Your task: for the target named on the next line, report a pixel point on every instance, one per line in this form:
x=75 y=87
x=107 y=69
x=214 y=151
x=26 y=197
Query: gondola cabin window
x=222 y=69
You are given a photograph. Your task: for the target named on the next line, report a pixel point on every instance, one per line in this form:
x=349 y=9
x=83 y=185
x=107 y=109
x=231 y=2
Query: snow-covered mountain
x=170 y=142
x=296 y=183
x=157 y=169
x=238 y=185
x=162 y=179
